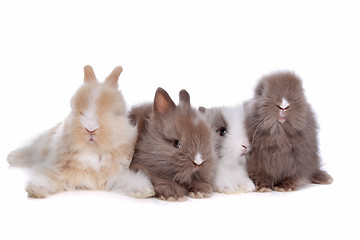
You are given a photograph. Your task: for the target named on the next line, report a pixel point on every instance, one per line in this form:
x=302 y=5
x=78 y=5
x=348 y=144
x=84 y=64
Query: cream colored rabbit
x=91 y=149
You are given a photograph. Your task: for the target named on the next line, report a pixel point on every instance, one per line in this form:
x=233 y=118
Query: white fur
x=134 y=184
x=40 y=184
x=284 y=103
x=231 y=173
x=198 y=159
x=92 y=160
x=89 y=118
x=35 y=150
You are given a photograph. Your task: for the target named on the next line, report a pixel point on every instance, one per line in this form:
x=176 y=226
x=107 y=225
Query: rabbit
x=231 y=147
x=174 y=147
x=91 y=149
x=283 y=133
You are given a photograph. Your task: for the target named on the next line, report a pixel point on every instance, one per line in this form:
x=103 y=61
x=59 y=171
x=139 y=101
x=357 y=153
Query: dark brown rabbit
x=174 y=147
x=283 y=132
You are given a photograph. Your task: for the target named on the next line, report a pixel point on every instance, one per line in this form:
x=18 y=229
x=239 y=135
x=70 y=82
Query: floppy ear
x=113 y=78
x=162 y=101
x=89 y=75
x=184 y=97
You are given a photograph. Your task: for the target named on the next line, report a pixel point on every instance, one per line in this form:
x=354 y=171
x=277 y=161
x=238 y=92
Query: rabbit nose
x=198 y=159
x=92 y=131
x=244 y=150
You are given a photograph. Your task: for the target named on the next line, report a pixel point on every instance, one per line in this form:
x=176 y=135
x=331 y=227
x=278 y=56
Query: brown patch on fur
x=282 y=154
x=170 y=136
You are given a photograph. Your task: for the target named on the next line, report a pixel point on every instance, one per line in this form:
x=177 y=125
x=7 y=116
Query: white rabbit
x=232 y=145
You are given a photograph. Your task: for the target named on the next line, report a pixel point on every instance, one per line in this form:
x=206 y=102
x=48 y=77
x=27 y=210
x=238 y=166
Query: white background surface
x=217 y=50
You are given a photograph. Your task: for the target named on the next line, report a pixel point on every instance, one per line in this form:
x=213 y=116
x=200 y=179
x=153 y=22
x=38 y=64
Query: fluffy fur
x=91 y=149
x=283 y=134
x=174 y=147
x=231 y=147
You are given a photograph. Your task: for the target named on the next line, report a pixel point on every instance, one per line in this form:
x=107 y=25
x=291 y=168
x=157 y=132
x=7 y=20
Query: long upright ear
x=184 y=97
x=113 y=78
x=89 y=75
x=162 y=101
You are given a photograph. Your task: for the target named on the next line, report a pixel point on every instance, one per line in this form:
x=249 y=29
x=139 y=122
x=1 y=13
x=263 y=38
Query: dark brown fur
x=284 y=154
x=171 y=169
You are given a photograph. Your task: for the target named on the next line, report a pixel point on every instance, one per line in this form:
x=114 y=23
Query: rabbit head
x=279 y=101
x=98 y=113
x=182 y=136
x=228 y=124
x=175 y=148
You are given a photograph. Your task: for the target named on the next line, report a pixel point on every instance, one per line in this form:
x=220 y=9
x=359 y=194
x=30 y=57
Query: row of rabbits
x=172 y=151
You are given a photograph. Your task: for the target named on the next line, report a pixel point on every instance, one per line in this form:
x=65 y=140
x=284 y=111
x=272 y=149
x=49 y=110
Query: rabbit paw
x=280 y=189
x=199 y=195
x=246 y=186
x=173 y=199
x=226 y=189
x=144 y=192
x=287 y=185
x=133 y=184
x=42 y=186
x=37 y=191
x=263 y=189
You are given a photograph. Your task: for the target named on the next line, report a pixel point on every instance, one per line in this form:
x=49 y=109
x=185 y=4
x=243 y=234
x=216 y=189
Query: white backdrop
x=217 y=50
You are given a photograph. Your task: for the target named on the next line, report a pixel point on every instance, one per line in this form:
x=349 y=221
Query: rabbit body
x=91 y=149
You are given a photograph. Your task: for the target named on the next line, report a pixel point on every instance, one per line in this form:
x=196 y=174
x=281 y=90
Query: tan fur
x=64 y=158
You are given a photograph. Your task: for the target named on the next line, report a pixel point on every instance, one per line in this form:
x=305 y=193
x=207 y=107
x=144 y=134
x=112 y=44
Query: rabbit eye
x=222 y=131
x=176 y=144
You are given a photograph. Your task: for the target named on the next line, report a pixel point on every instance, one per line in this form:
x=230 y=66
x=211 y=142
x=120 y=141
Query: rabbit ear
x=89 y=75
x=260 y=88
x=202 y=109
x=113 y=78
x=162 y=101
x=184 y=97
